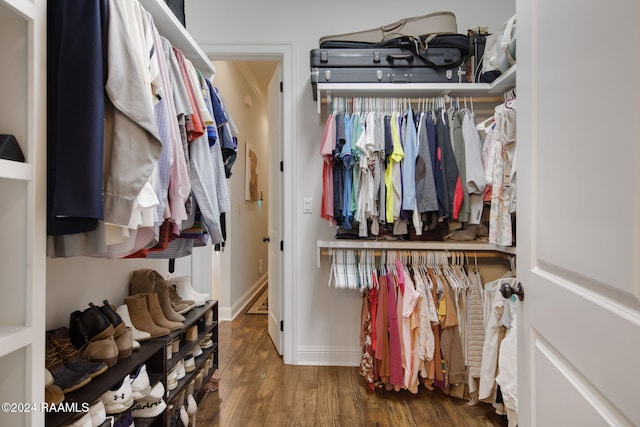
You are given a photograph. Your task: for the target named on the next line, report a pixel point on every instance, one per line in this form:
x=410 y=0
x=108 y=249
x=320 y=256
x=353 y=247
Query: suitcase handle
x=400 y=57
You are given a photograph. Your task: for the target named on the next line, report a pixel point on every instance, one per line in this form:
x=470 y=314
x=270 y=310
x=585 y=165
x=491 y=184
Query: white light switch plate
x=306 y=205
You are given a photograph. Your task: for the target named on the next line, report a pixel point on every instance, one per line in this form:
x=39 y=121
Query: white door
x=275 y=208
x=578 y=239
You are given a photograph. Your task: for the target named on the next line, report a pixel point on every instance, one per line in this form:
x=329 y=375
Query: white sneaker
x=186 y=291
x=152 y=405
x=172 y=380
x=120 y=399
x=97 y=413
x=189 y=363
x=140 y=385
x=138 y=335
x=196 y=351
x=179 y=368
x=206 y=343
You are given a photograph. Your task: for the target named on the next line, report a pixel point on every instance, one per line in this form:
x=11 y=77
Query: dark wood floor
x=257 y=389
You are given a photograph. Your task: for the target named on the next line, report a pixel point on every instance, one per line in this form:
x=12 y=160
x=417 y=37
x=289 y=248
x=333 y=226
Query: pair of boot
x=182 y=285
x=100 y=334
x=146 y=315
x=68 y=369
x=146 y=280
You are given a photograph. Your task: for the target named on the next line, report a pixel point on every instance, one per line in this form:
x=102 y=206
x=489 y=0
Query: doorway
x=252 y=258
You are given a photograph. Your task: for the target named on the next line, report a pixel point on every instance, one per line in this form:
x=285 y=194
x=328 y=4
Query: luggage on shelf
x=432 y=23
x=426 y=59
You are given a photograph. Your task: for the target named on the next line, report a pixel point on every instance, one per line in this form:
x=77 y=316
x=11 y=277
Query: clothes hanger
x=485 y=124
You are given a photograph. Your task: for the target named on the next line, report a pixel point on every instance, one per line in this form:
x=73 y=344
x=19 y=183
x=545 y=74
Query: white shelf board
x=16 y=170
x=498 y=87
x=25 y=8
x=13 y=338
x=169 y=27
x=405 y=245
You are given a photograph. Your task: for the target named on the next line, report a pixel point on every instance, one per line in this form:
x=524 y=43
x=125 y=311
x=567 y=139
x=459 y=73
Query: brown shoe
x=124 y=344
x=165 y=303
x=141 y=317
x=115 y=319
x=179 y=305
x=63 y=377
x=71 y=356
x=53 y=395
x=104 y=350
x=157 y=315
x=143 y=281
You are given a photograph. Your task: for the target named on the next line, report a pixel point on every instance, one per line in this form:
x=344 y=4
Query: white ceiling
x=261 y=71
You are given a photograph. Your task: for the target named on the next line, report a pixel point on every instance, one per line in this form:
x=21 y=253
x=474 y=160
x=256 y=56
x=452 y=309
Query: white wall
x=247 y=222
x=326 y=320
x=72 y=283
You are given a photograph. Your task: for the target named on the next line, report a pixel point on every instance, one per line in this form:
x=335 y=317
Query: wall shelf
x=404 y=245
x=13 y=338
x=325 y=91
x=25 y=8
x=16 y=170
x=169 y=27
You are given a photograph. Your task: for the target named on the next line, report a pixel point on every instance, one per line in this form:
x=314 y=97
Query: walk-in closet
x=516 y=305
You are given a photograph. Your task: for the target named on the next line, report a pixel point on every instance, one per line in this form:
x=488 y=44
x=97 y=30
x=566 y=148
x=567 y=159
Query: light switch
x=306 y=205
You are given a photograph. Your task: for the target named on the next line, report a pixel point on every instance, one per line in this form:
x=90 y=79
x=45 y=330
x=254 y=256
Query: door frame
x=283 y=53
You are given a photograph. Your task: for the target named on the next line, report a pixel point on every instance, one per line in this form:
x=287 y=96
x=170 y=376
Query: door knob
x=266 y=239
x=507 y=290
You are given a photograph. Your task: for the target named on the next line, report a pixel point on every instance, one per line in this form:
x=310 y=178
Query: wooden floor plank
x=257 y=389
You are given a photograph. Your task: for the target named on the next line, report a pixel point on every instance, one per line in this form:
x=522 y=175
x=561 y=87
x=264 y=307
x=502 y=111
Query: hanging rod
x=476 y=99
x=403 y=245
x=450 y=252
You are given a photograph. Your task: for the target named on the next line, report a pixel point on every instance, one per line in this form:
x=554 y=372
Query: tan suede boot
x=105 y=351
x=165 y=303
x=124 y=342
x=140 y=316
x=143 y=281
x=157 y=315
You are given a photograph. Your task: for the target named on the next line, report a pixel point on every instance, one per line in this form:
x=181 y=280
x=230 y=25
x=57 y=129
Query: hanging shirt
x=326 y=151
x=475 y=181
x=426 y=197
x=347 y=174
x=461 y=206
x=392 y=174
x=436 y=162
x=449 y=171
x=410 y=148
x=338 y=174
x=357 y=129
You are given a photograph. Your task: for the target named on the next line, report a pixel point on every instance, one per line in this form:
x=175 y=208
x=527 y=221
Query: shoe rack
x=195 y=320
x=22 y=210
x=150 y=353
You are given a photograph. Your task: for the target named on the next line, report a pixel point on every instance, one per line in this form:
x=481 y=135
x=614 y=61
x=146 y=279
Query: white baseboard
x=242 y=304
x=329 y=356
x=224 y=313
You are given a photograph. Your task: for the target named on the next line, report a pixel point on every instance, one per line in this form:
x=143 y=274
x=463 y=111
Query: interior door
x=578 y=186
x=275 y=208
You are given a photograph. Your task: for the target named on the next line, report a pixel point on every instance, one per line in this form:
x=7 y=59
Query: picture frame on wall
x=251 y=174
